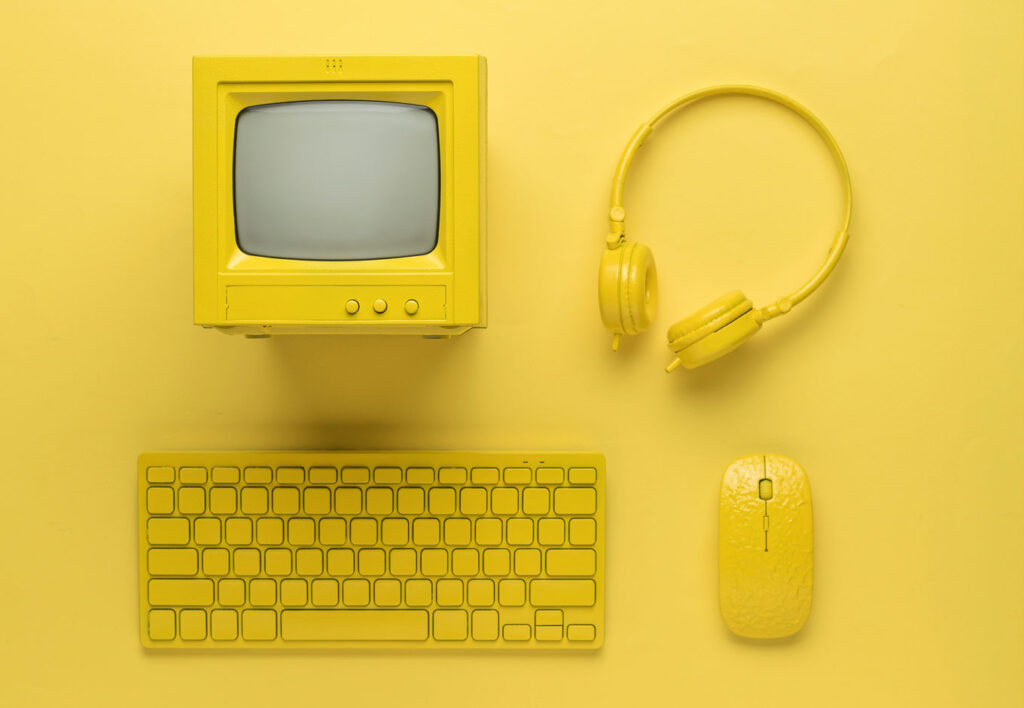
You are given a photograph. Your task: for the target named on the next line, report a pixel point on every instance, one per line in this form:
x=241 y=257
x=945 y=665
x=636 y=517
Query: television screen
x=336 y=180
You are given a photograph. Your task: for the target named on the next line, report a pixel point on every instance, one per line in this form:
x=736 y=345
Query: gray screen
x=336 y=180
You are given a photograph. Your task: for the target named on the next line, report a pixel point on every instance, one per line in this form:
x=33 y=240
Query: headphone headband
x=617 y=214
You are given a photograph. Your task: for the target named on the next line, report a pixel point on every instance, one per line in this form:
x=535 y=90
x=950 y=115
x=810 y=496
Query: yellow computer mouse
x=765 y=547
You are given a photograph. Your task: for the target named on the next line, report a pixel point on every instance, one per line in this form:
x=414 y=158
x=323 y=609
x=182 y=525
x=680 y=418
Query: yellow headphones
x=628 y=281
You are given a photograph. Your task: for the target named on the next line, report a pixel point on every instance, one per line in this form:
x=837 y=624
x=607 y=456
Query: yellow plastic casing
x=440 y=293
x=713 y=331
x=765 y=547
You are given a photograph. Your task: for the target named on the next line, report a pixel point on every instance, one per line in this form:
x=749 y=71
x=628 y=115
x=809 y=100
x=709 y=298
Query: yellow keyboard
x=371 y=550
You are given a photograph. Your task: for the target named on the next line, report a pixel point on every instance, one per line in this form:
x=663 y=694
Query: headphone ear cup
x=713 y=331
x=628 y=288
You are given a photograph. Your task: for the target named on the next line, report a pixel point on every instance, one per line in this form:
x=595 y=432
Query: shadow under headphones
x=628 y=280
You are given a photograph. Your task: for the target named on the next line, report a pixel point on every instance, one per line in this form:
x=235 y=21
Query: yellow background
x=898 y=386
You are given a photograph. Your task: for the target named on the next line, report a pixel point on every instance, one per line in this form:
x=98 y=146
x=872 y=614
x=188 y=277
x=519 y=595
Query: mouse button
x=764 y=489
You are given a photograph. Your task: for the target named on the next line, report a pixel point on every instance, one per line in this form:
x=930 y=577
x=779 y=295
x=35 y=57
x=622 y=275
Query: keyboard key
x=465 y=561
x=286 y=500
x=449 y=592
x=563 y=593
x=160 y=500
x=394 y=532
x=254 y=500
x=473 y=501
x=294 y=592
x=575 y=500
x=504 y=501
x=442 y=500
x=324 y=592
x=192 y=475
x=485 y=475
x=323 y=475
x=488 y=532
x=269 y=531
x=194 y=592
x=173 y=561
x=571 y=561
x=512 y=593
x=216 y=561
x=355 y=475
x=419 y=475
x=527 y=561
x=379 y=501
x=341 y=561
x=238 y=532
x=348 y=500
x=290 y=475
x=418 y=592
x=301 y=532
x=278 y=561
x=551 y=532
x=371 y=561
x=410 y=500
x=247 y=561
x=515 y=632
x=387 y=592
x=451 y=624
x=496 y=561
x=332 y=532
x=366 y=625
x=193 y=624
x=309 y=561
x=451 y=475
x=259 y=625
x=517 y=475
x=207 y=531
x=403 y=561
x=224 y=475
x=519 y=532
x=224 y=625
x=258 y=475
x=231 y=592
x=582 y=475
x=426 y=532
x=167 y=532
x=161 y=624
x=262 y=592
x=160 y=475
x=480 y=592
x=457 y=532
x=546 y=633
x=550 y=475
x=580 y=632
x=316 y=500
x=387 y=475
x=434 y=561
x=223 y=500
x=355 y=592
x=363 y=532
x=535 y=501
x=485 y=625
x=191 y=500
x=582 y=532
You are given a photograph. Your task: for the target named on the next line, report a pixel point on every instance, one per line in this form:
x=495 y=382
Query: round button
x=380 y=305
x=352 y=307
x=411 y=307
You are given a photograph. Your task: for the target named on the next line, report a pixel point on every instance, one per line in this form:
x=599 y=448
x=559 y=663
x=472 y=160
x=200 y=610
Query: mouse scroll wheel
x=764 y=489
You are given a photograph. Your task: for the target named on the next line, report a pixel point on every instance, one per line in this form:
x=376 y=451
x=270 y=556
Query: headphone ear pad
x=714 y=330
x=628 y=288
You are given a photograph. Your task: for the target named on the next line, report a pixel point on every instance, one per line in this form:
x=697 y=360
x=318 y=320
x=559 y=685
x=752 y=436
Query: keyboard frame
x=372 y=459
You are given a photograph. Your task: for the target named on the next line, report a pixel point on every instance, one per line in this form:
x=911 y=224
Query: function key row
x=379 y=475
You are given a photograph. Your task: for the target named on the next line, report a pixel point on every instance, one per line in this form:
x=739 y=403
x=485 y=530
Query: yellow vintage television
x=340 y=194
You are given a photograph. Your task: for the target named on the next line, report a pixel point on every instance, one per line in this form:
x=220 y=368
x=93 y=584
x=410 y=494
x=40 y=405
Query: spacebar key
x=354 y=625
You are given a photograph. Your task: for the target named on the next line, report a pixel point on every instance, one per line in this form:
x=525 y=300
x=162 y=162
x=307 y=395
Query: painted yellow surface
x=898 y=388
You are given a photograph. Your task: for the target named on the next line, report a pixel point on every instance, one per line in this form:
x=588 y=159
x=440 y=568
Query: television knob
x=411 y=307
x=380 y=306
x=352 y=307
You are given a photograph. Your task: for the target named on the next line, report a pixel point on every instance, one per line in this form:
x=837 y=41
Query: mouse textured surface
x=897 y=386
x=765 y=547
